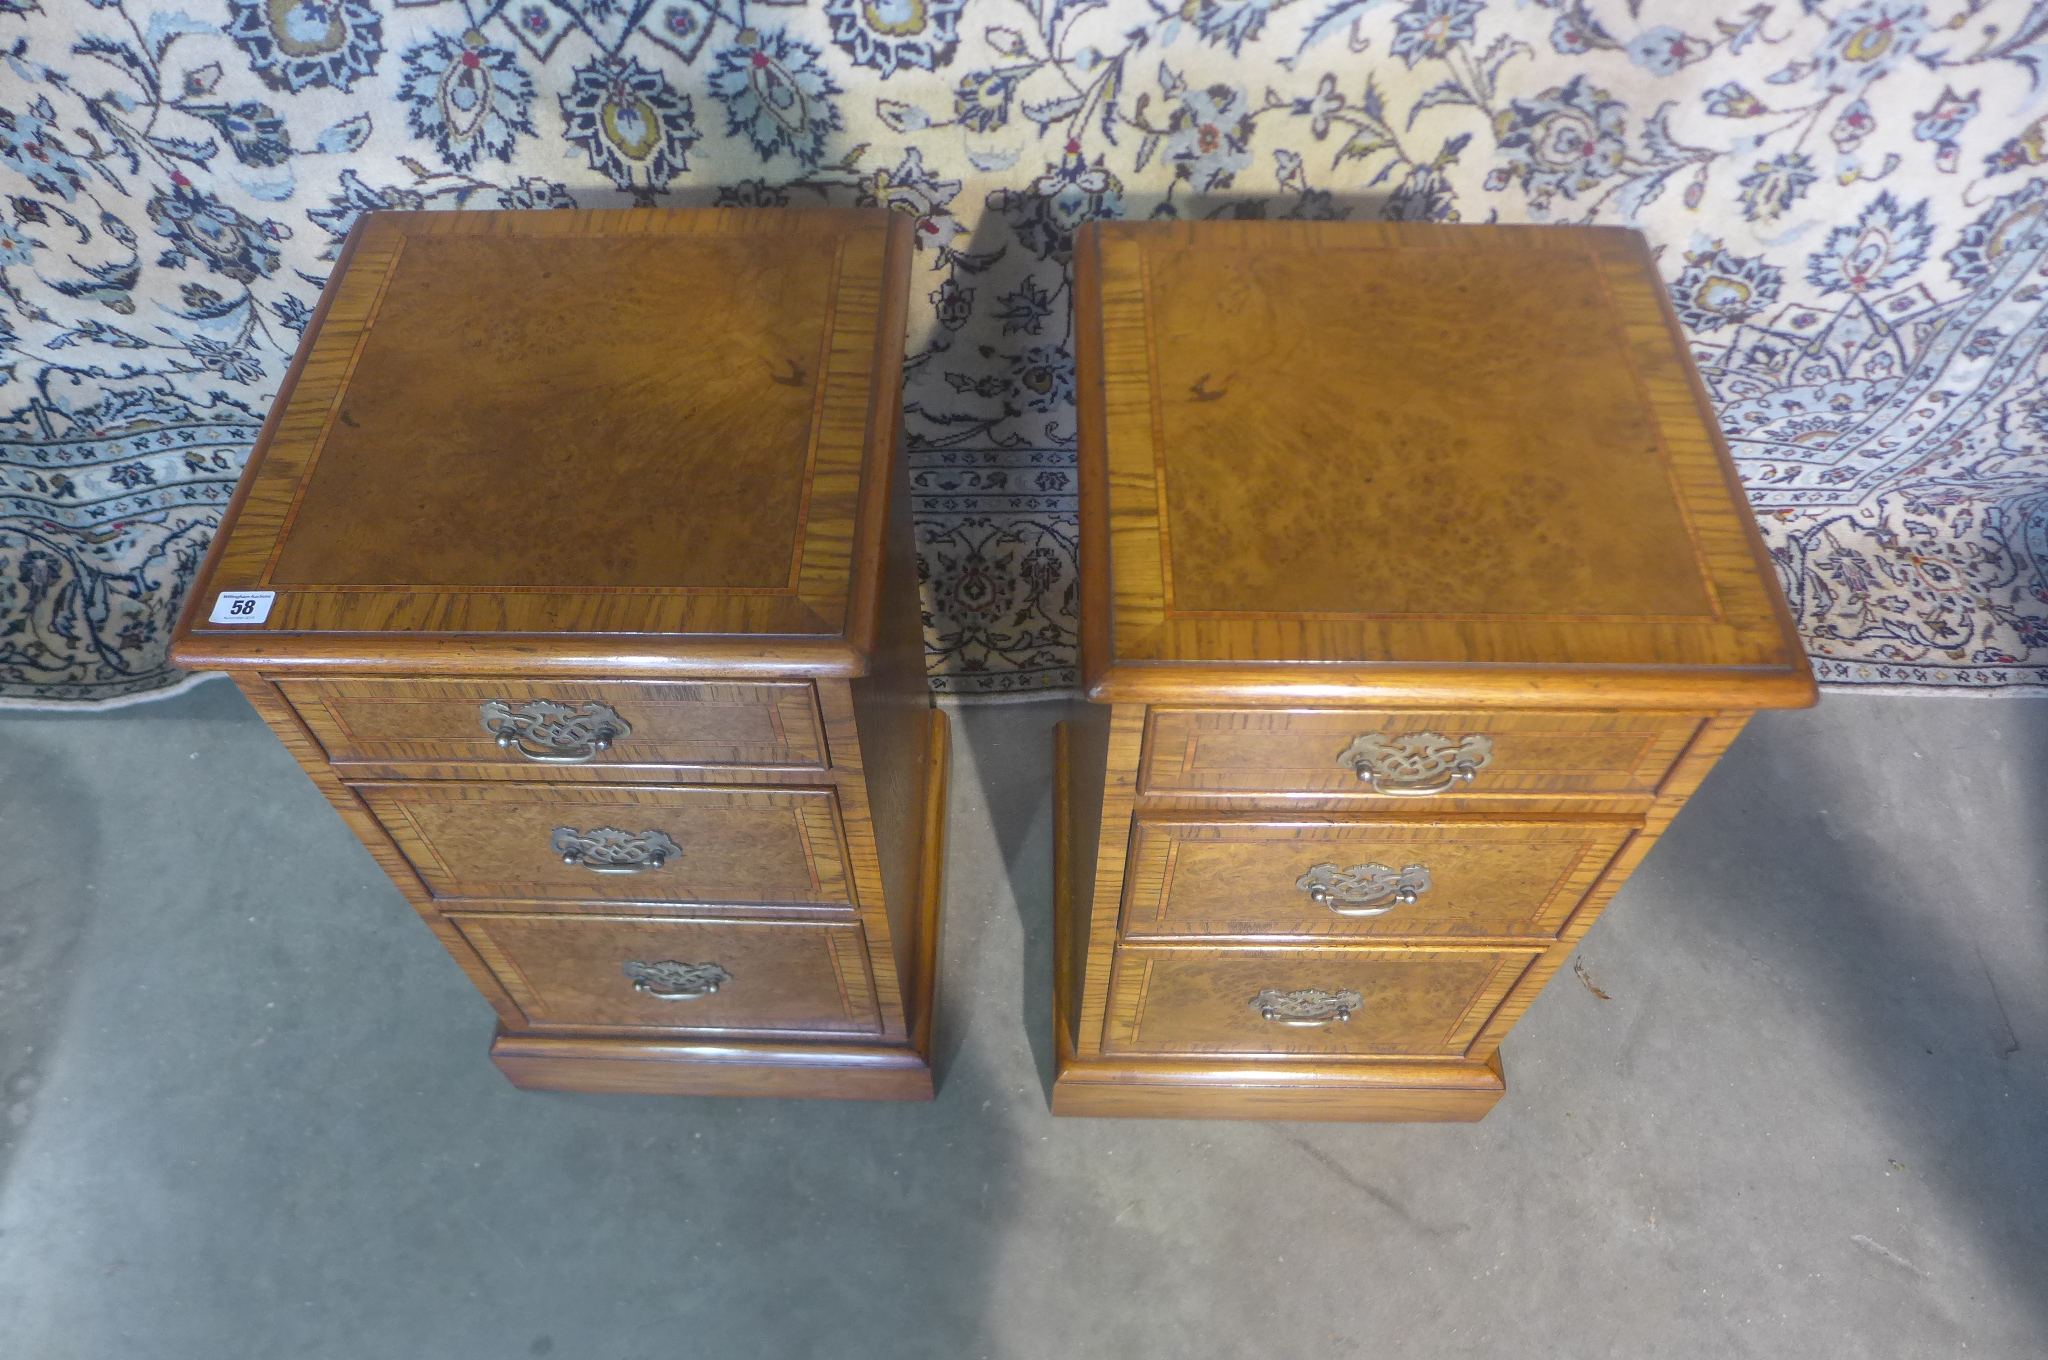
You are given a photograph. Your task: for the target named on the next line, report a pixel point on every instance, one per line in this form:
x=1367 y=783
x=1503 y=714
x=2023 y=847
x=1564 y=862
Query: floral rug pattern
x=1847 y=197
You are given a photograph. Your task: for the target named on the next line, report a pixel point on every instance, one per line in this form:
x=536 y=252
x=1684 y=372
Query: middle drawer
x=605 y=843
x=1449 y=877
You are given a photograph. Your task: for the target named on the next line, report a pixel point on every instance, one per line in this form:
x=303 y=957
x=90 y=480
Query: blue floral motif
x=1888 y=242
x=536 y=193
x=1734 y=100
x=1044 y=375
x=1855 y=123
x=914 y=191
x=1773 y=186
x=1425 y=193
x=1046 y=215
x=896 y=34
x=299 y=44
x=981 y=101
x=2028 y=149
x=775 y=92
x=629 y=119
x=751 y=193
x=1567 y=140
x=202 y=228
x=1208 y=137
x=1720 y=288
x=31 y=147
x=952 y=305
x=292 y=313
x=338 y=218
x=255 y=132
x=2017 y=221
x=1943 y=124
x=16 y=245
x=1867 y=41
x=1025 y=309
x=232 y=361
x=1428 y=29
x=1664 y=51
x=470 y=99
x=1232 y=23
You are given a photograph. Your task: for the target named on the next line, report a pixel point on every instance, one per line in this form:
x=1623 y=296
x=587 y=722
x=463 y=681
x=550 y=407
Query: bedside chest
x=574 y=564
x=1418 y=594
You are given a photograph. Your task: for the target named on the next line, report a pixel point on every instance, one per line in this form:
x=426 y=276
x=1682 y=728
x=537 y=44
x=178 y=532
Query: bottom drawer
x=614 y=972
x=1420 y=1003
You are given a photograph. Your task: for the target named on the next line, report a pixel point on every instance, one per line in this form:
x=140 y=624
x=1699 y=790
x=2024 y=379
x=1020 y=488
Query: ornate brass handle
x=670 y=980
x=548 y=733
x=1417 y=764
x=608 y=850
x=1306 y=1009
x=1364 y=889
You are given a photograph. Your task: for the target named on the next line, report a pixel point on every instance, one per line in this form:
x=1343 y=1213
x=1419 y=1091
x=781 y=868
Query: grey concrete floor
x=248 y=1112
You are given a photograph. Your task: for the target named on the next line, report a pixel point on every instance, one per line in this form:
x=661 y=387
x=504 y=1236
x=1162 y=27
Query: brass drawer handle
x=557 y=733
x=1307 y=1009
x=608 y=850
x=1364 y=889
x=670 y=980
x=1417 y=764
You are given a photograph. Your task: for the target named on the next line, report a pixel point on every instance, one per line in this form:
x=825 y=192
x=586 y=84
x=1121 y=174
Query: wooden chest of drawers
x=1418 y=594
x=574 y=565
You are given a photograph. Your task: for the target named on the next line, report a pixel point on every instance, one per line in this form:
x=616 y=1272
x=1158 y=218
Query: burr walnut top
x=1448 y=458
x=657 y=423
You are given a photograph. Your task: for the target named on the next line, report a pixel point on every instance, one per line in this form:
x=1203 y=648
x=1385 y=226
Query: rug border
x=148 y=696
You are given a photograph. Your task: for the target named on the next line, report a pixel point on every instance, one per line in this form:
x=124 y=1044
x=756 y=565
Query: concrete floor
x=249 y=1112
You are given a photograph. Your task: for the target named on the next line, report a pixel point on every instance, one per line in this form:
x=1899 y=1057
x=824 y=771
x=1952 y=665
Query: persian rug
x=1847 y=199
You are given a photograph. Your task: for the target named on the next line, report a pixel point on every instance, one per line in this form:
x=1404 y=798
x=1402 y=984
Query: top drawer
x=1406 y=757
x=540 y=723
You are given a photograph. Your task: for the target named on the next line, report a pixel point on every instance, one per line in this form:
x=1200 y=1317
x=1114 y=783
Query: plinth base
x=1123 y=1088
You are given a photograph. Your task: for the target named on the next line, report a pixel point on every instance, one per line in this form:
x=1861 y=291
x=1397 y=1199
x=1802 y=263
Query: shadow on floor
x=1887 y=877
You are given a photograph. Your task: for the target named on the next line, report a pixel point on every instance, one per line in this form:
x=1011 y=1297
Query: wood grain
x=1316 y=459
x=1099 y=891
x=1177 y=1088
x=619 y=1064
x=1488 y=879
x=1296 y=751
x=886 y=724
x=567 y=971
x=557 y=460
x=1228 y=1087
x=432 y=469
x=495 y=840
x=677 y=725
x=1416 y=1002
x=1335 y=489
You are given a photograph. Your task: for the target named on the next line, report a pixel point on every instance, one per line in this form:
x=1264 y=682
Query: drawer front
x=1411 y=757
x=1405 y=1003
x=598 y=971
x=540 y=724
x=714 y=845
x=1362 y=878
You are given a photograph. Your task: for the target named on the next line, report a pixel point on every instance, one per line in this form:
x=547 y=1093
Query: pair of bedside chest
x=1417 y=594
x=575 y=566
